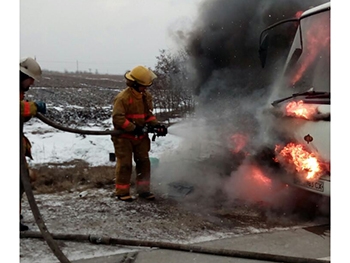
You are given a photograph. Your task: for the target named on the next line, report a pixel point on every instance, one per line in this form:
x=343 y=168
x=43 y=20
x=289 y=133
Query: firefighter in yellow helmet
x=132 y=111
x=29 y=71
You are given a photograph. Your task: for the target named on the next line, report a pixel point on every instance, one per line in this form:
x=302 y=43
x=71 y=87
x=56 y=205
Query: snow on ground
x=50 y=145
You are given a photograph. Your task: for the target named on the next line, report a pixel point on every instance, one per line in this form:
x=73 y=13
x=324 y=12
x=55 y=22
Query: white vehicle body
x=306 y=78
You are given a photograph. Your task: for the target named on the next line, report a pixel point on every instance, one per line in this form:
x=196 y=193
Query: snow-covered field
x=51 y=145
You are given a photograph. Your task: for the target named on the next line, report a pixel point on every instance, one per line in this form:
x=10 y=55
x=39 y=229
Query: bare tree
x=172 y=91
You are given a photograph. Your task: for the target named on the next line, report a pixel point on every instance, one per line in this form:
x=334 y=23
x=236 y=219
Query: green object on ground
x=154 y=161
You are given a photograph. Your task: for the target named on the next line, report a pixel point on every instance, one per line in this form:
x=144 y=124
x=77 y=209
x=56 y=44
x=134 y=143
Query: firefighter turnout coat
x=28 y=109
x=132 y=108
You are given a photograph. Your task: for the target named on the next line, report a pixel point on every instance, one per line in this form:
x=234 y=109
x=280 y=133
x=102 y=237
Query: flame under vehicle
x=299 y=109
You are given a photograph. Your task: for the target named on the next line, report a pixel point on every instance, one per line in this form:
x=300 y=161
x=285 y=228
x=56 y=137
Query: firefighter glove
x=160 y=130
x=41 y=106
x=139 y=130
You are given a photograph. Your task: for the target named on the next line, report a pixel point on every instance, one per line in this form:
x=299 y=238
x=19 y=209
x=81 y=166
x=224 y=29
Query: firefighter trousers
x=125 y=149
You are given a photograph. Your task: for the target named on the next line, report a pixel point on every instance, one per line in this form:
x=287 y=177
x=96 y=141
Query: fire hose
x=105 y=240
x=28 y=188
x=79 y=131
x=35 y=210
x=147 y=129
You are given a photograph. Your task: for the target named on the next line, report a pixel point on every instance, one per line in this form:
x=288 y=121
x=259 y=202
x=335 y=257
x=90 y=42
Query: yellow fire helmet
x=30 y=67
x=142 y=75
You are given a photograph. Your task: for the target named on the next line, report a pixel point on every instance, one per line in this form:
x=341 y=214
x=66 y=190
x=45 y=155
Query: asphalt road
x=310 y=244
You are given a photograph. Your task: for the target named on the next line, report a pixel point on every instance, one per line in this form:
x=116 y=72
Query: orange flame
x=298 y=14
x=302 y=161
x=301 y=110
x=250 y=183
x=259 y=176
x=238 y=142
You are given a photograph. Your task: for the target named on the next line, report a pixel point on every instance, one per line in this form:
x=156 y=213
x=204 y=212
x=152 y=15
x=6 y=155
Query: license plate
x=317 y=185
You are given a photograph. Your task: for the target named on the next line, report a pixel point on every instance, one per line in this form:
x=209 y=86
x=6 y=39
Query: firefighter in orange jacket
x=131 y=112
x=29 y=71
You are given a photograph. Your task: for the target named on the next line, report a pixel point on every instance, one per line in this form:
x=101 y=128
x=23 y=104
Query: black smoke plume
x=231 y=86
x=229 y=81
x=223 y=45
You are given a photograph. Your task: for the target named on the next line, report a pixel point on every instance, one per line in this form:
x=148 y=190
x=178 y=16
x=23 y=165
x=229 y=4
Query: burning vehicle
x=299 y=115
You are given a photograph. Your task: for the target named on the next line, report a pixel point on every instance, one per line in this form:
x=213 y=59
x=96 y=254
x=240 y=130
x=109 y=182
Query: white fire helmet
x=30 y=67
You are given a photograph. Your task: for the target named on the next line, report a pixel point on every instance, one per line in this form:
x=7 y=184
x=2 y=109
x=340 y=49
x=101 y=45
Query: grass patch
x=72 y=175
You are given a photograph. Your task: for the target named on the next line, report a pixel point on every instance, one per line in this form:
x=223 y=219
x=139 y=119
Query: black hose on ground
x=35 y=210
x=94 y=239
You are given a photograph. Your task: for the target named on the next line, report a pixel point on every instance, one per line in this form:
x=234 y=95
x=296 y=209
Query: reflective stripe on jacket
x=28 y=109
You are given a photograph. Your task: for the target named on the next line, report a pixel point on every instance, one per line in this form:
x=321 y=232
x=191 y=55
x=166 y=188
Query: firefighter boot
x=125 y=198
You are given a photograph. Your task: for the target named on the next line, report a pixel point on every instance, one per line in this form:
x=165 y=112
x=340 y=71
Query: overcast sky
x=110 y=36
